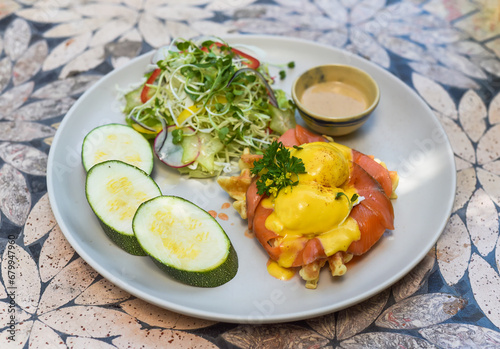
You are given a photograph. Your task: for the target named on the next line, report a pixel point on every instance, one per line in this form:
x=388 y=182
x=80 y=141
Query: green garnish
x=282 y=74
x=177 y=135
x=351 y=201
x=277 y=169
x=223 y=133
x=291 y=64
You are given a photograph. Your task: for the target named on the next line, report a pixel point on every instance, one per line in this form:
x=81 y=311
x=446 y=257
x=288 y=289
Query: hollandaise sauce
x=277 y=271
x=334 y=99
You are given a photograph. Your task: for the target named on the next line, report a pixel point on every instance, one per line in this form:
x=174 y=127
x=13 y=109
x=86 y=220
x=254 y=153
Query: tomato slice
x=145 y=90
x=252 y=62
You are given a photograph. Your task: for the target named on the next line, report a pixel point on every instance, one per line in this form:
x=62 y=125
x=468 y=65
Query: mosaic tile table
x=51 y=51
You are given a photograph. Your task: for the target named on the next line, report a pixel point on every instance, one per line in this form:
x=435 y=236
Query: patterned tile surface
x=51 y=51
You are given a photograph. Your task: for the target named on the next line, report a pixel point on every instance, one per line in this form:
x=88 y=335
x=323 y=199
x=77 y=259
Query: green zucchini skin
x=125 y=240
x=127 y=243
x=213 y=276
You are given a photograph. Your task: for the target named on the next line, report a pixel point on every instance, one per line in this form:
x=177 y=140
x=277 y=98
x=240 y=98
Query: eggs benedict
x=334 y=209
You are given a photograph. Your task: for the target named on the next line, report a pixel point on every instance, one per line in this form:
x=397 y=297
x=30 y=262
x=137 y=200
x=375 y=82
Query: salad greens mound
x=216 y=93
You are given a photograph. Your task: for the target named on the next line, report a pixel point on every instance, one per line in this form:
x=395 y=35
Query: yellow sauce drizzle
x=278 y=272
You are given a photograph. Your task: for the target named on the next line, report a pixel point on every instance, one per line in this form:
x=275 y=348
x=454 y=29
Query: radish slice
x=160 y=54
x=173 y=154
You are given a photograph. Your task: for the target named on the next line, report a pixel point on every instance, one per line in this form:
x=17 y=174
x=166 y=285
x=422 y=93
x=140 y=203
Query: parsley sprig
x=351 y=201
x=355 y=199
x=277 y=169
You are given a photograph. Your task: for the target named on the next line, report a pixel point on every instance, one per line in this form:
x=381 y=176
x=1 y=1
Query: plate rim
x=242 y=319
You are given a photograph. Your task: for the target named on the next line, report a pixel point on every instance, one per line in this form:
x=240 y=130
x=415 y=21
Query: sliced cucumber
x=191 y=148
x=117 y=142
x=185 y=241
x=174 y=155
x=114 y=190
x=132 y=100
x=209 y=147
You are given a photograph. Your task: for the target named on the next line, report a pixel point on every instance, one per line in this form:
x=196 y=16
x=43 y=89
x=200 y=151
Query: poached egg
x=314 y=208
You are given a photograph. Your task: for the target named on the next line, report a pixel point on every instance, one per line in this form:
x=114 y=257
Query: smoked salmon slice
x=371 y=229
x=374 y=169
x=305 y=136
x=374 y=214
x=253 y=199
x=264 y=235
x=312 y=251
x=289 y=139
x=299 y=135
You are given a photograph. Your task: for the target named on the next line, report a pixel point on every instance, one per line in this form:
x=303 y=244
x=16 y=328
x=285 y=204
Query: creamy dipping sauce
x=334 y=99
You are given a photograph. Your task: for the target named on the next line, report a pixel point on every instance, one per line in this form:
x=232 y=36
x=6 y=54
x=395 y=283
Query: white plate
x=403 y=132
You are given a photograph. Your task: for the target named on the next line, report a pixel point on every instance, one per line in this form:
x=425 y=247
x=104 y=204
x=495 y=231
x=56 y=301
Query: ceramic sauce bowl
x=335 y=99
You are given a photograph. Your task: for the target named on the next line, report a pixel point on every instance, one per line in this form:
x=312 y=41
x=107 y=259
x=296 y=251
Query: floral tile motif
x=94 y=29
x=483 y=24
x=450 y=10
x=494 y=45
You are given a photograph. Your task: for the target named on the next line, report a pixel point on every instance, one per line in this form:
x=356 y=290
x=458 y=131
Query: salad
x=205 y=103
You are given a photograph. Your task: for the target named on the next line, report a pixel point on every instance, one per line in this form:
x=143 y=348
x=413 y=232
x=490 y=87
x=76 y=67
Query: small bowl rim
x=342 y=119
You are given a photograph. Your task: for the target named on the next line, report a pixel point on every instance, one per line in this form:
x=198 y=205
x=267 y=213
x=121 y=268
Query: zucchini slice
x=185 y=241
x=114 y=190
x=117 y=142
